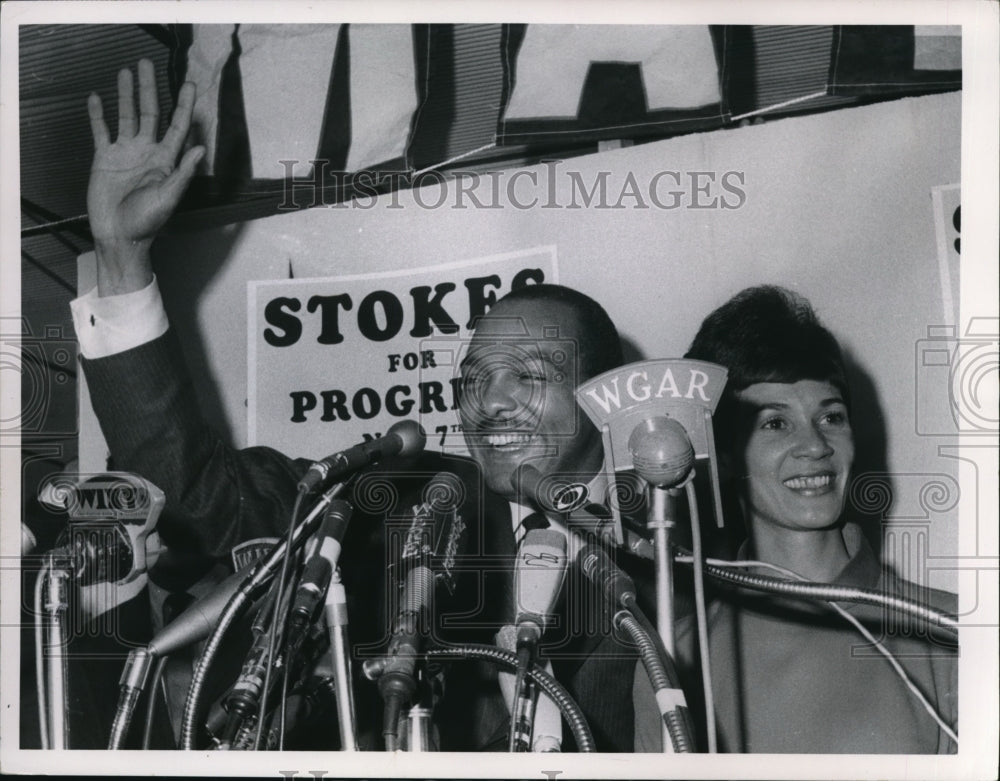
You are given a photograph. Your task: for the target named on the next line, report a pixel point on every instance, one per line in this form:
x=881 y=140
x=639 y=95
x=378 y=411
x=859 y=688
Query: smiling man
x=518 y=407
x=519 y=379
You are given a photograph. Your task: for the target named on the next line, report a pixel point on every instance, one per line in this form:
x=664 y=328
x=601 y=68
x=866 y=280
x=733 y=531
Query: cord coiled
x=833 y=593
x=571 y=711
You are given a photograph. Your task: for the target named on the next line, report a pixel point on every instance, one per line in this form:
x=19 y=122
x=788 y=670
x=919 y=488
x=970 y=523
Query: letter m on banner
x=274 y=98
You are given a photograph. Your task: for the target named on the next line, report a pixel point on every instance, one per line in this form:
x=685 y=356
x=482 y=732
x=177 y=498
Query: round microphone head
x=661 y=451
x=412 y=436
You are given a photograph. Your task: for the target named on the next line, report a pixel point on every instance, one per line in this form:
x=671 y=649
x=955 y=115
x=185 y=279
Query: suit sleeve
x=216 y=496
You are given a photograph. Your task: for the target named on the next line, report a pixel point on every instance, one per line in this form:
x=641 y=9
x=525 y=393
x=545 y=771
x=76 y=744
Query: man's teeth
x=499 y=440
x=806 y=483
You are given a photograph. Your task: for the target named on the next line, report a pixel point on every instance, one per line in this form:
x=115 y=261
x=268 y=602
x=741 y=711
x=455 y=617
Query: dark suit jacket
x=218 y=497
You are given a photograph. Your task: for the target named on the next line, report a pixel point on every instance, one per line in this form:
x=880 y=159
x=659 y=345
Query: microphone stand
x=662 y=511
x=522 y=715
x=56 y=605
x=662 y=504
x=335 y=612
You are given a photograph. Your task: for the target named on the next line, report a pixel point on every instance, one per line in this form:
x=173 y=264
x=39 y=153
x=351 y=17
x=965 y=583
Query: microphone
x=199 y=619
x=545 y=733
x=318 y=570
x=435 y=530
x=553 y=496
x=541 y=568
x=110 y=536
x=396 y=675
x=538 y=579
x=617 y=587
x=661 y=450
x=405 y=438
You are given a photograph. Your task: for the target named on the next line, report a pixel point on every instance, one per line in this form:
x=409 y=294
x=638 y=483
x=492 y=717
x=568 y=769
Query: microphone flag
x=624 y=399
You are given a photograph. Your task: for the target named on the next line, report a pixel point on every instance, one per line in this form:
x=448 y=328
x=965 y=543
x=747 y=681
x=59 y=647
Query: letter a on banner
x=609 y=81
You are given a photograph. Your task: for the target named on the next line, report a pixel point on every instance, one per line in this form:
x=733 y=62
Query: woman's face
x=798 y=454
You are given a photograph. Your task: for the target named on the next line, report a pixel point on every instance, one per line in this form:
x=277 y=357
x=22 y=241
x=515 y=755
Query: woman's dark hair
x=769 y=334
x=762 y=334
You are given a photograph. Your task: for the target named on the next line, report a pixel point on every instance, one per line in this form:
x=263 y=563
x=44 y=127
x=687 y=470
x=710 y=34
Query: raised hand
x=134 y=183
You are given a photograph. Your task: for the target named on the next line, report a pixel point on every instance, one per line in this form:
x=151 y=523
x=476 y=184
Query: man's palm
x=134 y=186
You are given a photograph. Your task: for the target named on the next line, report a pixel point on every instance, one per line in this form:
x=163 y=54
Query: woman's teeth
x=808 y=483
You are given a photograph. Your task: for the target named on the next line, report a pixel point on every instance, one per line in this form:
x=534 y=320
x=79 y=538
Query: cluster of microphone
x=315 y=597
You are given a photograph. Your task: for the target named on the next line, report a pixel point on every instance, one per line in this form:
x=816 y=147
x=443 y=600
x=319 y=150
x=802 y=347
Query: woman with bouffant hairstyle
x=793 y=676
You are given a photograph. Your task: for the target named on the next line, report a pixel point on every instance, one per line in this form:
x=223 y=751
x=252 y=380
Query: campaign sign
x=337 y=360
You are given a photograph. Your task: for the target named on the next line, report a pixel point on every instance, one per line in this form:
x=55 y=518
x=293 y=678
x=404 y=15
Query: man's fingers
x=126 y=105
x=174 y=185
x=149 y=106
x=173 y=139
x=98 y=127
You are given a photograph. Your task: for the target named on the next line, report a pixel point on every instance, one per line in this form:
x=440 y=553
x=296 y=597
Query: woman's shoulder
x=939 y=599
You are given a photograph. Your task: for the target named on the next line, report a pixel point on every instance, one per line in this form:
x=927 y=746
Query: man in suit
x=518 y=407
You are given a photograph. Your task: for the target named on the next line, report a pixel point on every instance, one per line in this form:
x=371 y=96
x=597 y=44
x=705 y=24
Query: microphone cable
x=824 y=592
x=701 y=616
x=43 y=721
x=278 y=618
x=858 y=626
x=153 y=688
x=571 y=711
x=242 y=701
x=238 y=603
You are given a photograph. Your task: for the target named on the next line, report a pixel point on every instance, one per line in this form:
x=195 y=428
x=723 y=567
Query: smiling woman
x=791 y=676
x=795 y=464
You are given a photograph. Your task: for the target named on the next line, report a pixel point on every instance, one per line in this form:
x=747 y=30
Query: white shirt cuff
x=113 y=324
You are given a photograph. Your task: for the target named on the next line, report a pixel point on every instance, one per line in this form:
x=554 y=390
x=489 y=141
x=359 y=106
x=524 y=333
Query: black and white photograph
x=387 y=384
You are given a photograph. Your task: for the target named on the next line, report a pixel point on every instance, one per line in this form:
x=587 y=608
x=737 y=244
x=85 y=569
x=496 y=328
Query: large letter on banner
x=285 y=77
x=677 y=61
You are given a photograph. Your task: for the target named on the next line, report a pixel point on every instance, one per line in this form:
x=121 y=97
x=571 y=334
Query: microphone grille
x=661 y=450
x=411 y=435
x=552 y=539
x=336 y=519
